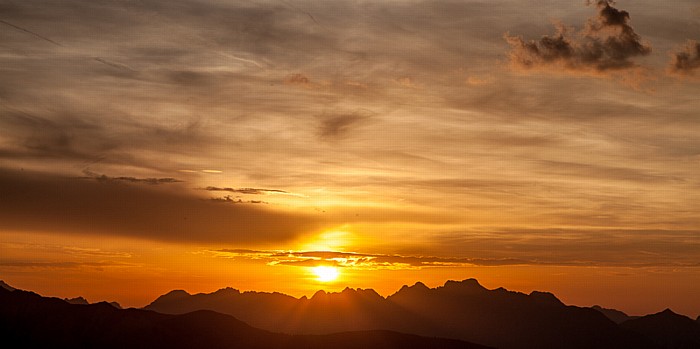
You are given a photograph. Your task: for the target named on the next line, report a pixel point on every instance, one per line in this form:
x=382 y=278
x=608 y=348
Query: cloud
x=406 y=82
x=252 y=191
x=598 y=246
x=153 y=181
x=607 y=43
x=61 y=265
x=339 y=125
x=30 y=32
x=686 y=60
x=229 y=200
x=358 y=260
x=35 y=202
x=298 y=80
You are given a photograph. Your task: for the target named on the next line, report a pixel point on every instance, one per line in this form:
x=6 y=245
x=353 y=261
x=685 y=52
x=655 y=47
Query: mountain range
x=28 y=320
x=455 y=315
x=462 y=310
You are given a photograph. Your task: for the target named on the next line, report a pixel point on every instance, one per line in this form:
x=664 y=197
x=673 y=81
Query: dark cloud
x=686 y=60
x=61 y=265
x=252 y=191
x=339 y=125
x=104 y=178
x=607 y=43
x=230 y=200
x=34 y=202
x=298 y=79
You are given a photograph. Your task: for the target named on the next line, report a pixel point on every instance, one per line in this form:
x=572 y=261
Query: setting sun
x=326 y=274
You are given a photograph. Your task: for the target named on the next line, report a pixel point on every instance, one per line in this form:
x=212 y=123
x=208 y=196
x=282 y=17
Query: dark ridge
x=6 y=286
x=546 y=298
x=667 y=329
x=76 y=300
x=613 y=314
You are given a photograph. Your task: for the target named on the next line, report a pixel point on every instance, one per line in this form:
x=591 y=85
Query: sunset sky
x=151 y=145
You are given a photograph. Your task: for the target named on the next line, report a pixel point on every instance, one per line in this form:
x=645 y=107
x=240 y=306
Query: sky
x=154 y=145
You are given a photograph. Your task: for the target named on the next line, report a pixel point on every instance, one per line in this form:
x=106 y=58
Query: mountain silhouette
x=462 y=310
x=76 y=300
x=6 y=286
x=83 y=301
x=667 y=329
x=613 y=314
x=28 y=320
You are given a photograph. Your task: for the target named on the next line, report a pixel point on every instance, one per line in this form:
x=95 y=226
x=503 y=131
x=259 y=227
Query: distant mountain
x=76 y=300
x=462 y=310
x=613 y=314
x=667 y=329
x=83 y=301
x=6 y=286
x=28 y=320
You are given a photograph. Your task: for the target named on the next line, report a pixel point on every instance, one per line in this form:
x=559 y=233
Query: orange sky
x=154 y=145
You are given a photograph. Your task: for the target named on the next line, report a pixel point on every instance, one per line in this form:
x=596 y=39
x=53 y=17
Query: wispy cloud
x=252 y=191
x=104 y=178
x=357 y=260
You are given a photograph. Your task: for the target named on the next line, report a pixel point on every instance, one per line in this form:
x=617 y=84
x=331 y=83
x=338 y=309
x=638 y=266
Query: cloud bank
x=36 y=202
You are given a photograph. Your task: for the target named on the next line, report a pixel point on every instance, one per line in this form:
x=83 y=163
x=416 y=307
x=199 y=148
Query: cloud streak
x=360 y=261
x=251 y=191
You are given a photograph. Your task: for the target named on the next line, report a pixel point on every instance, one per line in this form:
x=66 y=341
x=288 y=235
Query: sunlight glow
x=326 y=274
x=328 y=241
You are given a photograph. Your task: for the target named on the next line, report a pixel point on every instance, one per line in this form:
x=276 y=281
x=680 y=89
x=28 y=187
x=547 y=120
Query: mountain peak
x=613 y=314
x=173 y=295
x=6 y=286
x=470 y=283
x=227 y=290
x=545 y=297
x=319 y=294
x=417 y=288
x=420 y=285
x=76 y=300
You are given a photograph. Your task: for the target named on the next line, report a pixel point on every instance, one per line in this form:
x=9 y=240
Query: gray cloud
x=686 y=60
x=607 y=43
x=74 y=206
x=104 y=178
x=338 y=125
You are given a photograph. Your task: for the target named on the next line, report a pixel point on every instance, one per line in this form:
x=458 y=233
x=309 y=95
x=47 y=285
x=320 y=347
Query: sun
x=326 y=274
